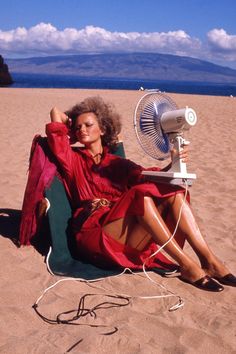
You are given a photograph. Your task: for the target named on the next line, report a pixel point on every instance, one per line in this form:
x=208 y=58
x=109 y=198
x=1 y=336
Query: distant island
x=148 y=66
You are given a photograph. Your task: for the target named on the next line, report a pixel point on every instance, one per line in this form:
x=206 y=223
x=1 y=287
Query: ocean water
x=68 y=81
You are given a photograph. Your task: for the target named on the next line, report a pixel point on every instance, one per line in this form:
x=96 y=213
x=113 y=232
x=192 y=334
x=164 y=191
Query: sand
x=206 y=323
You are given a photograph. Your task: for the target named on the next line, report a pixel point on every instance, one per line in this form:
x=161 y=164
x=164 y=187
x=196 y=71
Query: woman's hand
x=57 y=116
x=183 y=154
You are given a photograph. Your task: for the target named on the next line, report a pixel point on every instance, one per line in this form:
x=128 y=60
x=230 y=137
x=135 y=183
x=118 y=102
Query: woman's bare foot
x=191 y=272
x=215 y=268
x=196 y=276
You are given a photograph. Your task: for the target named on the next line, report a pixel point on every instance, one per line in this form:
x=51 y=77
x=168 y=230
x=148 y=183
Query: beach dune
x=206 y=322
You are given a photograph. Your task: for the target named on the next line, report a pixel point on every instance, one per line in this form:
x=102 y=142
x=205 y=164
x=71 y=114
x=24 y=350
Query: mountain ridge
x=149 y=66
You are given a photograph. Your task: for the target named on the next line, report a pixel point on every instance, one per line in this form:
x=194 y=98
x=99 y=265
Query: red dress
x=119 y=181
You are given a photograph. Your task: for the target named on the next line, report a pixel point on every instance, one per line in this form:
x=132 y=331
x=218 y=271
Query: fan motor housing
x=178 y=120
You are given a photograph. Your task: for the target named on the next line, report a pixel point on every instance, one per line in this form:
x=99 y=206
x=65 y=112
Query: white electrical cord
x=89 y=282
x=180 y=302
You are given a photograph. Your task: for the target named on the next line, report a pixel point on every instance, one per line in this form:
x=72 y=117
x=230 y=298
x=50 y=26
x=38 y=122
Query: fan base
x=178 y=178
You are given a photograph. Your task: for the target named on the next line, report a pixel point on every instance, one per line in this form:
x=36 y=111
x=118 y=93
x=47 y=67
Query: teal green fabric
x=60 y=260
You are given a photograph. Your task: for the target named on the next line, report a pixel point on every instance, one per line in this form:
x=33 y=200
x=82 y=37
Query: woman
x=119 y=216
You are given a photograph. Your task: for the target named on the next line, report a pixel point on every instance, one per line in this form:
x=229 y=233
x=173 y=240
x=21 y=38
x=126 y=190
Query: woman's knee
x=148 y=202
x=154 y=205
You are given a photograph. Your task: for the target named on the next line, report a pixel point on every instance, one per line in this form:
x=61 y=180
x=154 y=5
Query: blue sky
x=204 y=29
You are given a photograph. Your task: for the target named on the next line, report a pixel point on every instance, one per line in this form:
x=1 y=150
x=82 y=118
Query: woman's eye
x=86 y=125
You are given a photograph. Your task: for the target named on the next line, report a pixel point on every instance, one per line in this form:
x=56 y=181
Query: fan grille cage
x=147 y=125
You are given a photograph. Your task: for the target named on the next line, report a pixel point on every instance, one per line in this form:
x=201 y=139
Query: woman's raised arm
x=57 y=116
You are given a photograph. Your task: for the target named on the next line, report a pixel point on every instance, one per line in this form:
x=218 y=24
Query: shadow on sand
x=9 y=224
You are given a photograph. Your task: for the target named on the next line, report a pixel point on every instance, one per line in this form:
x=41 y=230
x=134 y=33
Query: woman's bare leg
x=188 y=226
x=166 y=213
x=154 y=225
x=128 y=231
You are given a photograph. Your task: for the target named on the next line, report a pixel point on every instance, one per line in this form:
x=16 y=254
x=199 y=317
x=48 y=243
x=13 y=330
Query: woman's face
x=87 y=129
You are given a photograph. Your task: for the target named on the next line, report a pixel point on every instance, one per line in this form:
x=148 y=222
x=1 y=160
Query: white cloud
x=219 y=38
x=222 y=45
x=45 y=39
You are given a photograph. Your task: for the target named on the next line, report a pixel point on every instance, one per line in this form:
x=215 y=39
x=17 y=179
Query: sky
x=203 y=29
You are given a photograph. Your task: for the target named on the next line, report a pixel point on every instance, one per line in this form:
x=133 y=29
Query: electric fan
x=159 y=126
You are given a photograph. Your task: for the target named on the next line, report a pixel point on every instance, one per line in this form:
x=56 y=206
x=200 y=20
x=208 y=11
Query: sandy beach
x=205 y=324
